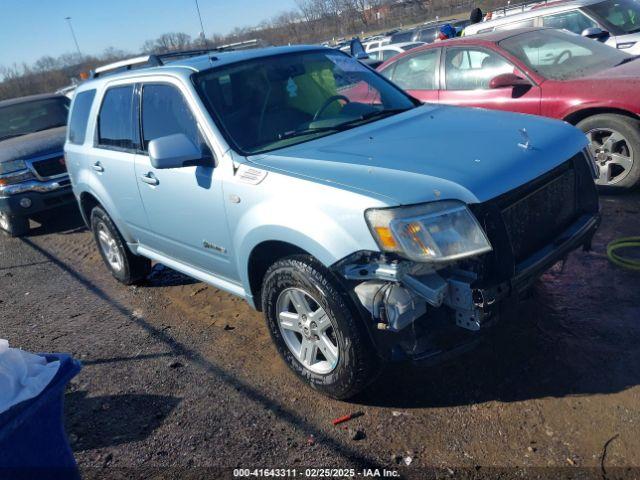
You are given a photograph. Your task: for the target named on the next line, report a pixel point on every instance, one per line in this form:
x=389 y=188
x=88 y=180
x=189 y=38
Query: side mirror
x=508 y=80
x=357 y=50
x=175 y=151
x=595 y=33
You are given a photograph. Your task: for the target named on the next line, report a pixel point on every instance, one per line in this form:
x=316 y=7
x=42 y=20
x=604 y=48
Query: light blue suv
x=366 y=226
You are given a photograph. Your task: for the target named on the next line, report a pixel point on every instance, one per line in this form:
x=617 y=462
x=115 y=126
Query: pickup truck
x=366 y=226
x=33 y=175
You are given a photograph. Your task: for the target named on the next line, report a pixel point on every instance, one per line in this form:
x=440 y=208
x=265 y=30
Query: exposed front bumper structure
x=423 y=311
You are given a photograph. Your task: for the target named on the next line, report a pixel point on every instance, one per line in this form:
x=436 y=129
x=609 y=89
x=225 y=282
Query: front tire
x=614 y=141
x=14 y=226
x=315 y=329
x=126 y=267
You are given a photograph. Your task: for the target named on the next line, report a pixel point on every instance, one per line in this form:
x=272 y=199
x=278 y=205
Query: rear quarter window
x=80 y=116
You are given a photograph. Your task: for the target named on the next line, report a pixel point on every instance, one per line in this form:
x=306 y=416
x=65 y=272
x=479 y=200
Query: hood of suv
x=433 y=153
x=33 y=144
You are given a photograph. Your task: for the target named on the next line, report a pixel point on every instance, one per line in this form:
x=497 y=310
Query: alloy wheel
x=109 y=248
x=308 y=331
x=612 y=153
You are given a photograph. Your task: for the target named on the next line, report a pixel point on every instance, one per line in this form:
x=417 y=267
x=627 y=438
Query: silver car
x=366 y=226
x=615 y=22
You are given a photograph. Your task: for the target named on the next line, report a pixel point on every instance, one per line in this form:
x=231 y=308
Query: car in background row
x=425 y=33
x=388 y=51
x=615 y=22
x=33 y=175
x=376 y=42
x=543 y=72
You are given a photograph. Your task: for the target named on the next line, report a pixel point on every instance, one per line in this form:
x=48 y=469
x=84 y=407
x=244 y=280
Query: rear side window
x=418 y=71
x=115 y=121
x=165 y=112
x=80 y=116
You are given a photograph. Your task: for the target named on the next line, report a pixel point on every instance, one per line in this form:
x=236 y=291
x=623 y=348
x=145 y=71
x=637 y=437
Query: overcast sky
x=30 y=29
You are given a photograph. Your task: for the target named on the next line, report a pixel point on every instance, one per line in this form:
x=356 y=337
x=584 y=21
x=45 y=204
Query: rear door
x=187 y=220
x=112 y=160
x=467 y=72
x=418 y=74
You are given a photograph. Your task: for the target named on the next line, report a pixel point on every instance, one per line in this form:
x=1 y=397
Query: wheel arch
x=87 y=203
x=262 y=256
x=577 y=116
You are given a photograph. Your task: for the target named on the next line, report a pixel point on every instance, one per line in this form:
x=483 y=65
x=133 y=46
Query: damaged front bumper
x=420 y=313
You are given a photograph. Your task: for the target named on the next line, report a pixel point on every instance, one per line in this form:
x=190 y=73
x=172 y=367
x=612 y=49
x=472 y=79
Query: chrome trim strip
x=33 y=186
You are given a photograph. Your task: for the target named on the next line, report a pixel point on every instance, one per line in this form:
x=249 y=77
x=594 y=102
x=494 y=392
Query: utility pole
x=73 y=34
x=202 y=34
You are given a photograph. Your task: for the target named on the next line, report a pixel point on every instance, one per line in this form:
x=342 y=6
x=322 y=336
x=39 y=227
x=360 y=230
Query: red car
x=543 y=72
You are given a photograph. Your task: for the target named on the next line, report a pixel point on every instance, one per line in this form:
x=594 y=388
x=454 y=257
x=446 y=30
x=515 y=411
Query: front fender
x=328 y=230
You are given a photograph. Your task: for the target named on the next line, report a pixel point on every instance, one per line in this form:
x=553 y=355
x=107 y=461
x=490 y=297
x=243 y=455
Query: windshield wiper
x=308 y=131
x=627 y=60
x=378 y=113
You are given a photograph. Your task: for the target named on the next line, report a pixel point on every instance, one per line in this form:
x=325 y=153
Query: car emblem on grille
x=526 y=143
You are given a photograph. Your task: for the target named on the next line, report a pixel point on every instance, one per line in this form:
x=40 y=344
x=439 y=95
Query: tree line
x=313 y=21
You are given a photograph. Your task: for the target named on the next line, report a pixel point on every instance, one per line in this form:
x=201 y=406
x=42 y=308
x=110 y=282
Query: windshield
x=562 y=56
x=28 y=117
x=620 y=17
x=274 y=102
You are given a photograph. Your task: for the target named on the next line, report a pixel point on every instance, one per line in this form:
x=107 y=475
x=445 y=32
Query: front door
x=467 y=73
x=184 y=205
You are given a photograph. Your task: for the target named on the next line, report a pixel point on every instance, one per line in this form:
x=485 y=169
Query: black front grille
x=50 y=167
x=536 y=219
x=524 y=221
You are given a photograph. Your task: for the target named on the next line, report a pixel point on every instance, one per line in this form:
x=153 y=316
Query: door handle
x=150 y=179
x=98 y=167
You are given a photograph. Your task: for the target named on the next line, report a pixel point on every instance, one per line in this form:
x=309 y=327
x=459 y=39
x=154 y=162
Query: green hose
x=619 y=260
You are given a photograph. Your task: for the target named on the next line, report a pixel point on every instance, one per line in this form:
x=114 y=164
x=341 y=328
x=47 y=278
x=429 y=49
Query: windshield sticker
x=292 y=88
x=347 y=64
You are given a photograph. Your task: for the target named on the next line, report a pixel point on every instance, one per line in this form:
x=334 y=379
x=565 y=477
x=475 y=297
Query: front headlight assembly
x=433 y=232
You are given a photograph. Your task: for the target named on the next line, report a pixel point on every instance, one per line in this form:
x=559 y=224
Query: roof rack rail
x=158 y=59
x=520 y=7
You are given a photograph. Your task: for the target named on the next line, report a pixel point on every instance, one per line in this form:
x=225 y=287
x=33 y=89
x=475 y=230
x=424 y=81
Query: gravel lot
x=178 y=375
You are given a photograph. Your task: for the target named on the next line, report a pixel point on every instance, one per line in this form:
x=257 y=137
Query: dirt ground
x=180 y=378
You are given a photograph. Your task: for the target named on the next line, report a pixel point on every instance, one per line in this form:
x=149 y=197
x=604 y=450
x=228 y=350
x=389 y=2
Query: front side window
x=473 y=69
x=269 y=103
x=619 y=17
x=417 y=71
x=33 y=116
x=115 y=121
x=165 y=112
x=80 y=116
x=562 y=56
x=573 y=21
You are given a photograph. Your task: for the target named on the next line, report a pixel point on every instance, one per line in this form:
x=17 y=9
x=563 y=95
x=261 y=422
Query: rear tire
x=126 y=267
x=329 y=347
x=14 y=226
x=615 y=144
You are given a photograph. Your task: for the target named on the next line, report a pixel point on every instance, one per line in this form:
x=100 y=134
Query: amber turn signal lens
x=386 y=237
